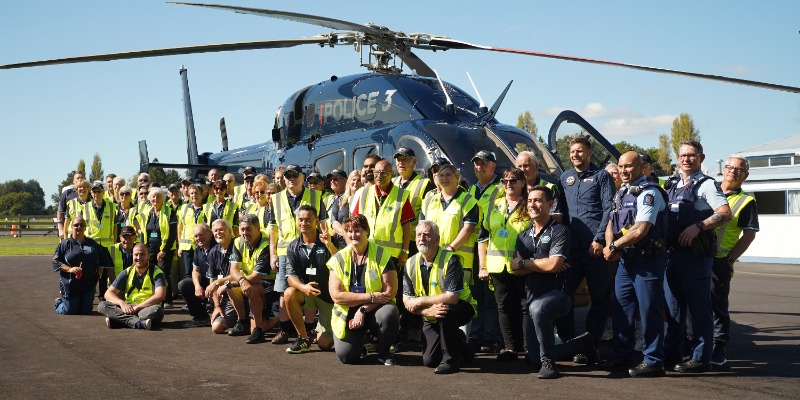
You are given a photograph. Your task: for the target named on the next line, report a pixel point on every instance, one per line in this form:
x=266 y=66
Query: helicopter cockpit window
x=568 y=131
x=430 y=100
x=423 y=161
x=360 y=153
x=329 y=162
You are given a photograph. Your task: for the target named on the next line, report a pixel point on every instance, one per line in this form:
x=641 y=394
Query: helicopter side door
x=568 y=125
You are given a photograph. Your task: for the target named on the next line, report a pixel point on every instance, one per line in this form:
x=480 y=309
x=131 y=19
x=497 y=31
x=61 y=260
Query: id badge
x=452 y=211
x=311 y=271
x=358 y=289
x=503 y=233
x=153 y=235
x=99 y=226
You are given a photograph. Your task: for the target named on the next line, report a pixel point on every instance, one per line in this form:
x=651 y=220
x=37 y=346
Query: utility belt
x=703 y=245
x=645 y=247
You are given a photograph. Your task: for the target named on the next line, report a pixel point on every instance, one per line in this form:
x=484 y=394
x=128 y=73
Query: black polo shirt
x=309 y=264
x=553 y=240
x=200 y=262
x=219 y=261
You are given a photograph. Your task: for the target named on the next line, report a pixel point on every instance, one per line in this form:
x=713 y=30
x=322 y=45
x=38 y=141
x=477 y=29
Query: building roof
x=787 y=145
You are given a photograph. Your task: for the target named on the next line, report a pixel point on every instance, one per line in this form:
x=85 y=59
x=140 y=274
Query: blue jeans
x=485 y=326
x=280 y=278
x=75 y=304
x=543 y=311
x=639 y=289
x=687 y=290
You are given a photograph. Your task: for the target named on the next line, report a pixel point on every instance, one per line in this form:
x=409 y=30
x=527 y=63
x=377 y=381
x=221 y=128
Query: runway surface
x=48 y=356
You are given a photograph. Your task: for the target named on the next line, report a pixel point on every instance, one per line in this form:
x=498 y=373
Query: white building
x=775 y=182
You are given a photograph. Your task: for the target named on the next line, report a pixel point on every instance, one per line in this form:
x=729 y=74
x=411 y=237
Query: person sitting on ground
x=134 y=299
x=226 y=305
x=77 y=260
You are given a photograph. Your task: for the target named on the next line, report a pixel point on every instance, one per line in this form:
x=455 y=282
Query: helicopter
x=337 y=122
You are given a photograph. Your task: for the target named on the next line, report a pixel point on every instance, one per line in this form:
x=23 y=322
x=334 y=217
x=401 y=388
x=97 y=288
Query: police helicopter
x=338 y=122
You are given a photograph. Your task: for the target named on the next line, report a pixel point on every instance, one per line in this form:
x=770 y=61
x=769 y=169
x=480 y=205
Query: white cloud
x=620 y=121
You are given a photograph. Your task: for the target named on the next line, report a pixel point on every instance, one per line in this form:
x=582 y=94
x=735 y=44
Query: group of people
x=356 y=262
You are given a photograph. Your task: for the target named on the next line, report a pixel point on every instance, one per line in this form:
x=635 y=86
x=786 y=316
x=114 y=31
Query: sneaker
x=445 y=369
x=300 y=345
x=148 y=324
x=580 y=359
x=507 y=355
x=280 y=338
x=387 y=360
x=370 y=346
x=256 y=337
x=168 y=304
x=108 y=322
x=693 y=366
x=718 y=356
x=644 y=370
x=185 y=308
x=197 y=323
x=394 y=348
x=238 y=329
x=548 y=370
x=489 y=347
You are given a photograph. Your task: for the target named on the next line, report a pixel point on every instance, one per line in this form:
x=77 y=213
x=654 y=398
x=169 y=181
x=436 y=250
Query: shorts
x=228 y=316
x=280 y=279
x=325 y=310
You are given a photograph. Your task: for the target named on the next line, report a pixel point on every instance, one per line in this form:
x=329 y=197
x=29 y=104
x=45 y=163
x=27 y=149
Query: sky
x=51 y=117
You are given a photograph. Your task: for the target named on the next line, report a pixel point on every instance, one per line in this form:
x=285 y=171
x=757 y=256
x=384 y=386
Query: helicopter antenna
x=449 y=107
x=482 y=105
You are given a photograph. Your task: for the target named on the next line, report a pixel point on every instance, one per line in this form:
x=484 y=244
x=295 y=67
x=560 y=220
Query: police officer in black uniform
x=636 y=237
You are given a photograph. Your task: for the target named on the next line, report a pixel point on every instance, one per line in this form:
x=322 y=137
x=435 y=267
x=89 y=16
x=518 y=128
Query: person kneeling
x=434 y=288
x=134 y=299
x=540 y=258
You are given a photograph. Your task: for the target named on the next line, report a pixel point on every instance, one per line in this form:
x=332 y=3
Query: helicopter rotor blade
x=207 y=48
x=417 y=65
x=291 y=16
x=457 y=44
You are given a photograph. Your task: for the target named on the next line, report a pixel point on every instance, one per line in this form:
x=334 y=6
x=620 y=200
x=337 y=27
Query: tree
x=81 y=166
x=18 y=203
x=658 y=168
x=96 y=174
x=161 y=177
x=600 y=157
x=663 y=156
x=683 y=130
x=526 y=123
x=34 y=203
x=68 y=181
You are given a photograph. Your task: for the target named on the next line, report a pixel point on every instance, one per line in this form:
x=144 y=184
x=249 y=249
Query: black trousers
x=509 y=292
x=444 y=341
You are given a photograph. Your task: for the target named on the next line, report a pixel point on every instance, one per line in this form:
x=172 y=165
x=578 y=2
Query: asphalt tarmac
x=48 y=356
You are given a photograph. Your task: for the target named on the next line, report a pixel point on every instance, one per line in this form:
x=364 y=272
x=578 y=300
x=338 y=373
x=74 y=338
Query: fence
x=28 y=225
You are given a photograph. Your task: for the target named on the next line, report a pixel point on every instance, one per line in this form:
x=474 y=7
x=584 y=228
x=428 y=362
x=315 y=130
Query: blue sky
x=50 y=117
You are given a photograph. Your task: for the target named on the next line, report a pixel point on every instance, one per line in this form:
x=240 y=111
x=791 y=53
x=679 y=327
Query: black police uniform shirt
x=88 y=255
x=552 y=241
x=219 y=261
x=453 y=279
x=309 y=264
x=589 y=196
x=121 y=282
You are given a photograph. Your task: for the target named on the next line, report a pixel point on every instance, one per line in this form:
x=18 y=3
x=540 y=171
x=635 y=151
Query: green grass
x=28 y=245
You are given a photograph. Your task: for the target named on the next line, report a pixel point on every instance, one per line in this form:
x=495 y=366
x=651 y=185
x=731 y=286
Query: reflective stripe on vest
x=249 y=258
x=285 y=218
x=414 y=195
x=339 y=264
x=439 y=270
x=501 y=250
x=729 y=232
x=259 y=212
x=450 y=222
x=163 y=225
x=136 y=296
x=102 y=229
x=384 y=222
x=228 y=212
x=186 y=236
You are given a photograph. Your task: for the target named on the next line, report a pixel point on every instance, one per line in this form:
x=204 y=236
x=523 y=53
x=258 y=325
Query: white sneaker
x=148 y=324
x=108 y=323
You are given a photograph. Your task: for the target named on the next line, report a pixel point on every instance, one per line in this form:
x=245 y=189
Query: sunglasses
x=78 y=225
x=125 y=194
x=509 y=181
x=259 y=192
x=291 y=176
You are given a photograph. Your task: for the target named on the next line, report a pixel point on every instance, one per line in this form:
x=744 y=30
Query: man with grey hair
x=733 y=239
x=253 y=277
x=434 y=288
x=193 y=289
x=527 y=162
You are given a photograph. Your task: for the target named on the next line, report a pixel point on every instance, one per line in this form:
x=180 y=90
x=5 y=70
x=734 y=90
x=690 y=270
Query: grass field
x=28 y=245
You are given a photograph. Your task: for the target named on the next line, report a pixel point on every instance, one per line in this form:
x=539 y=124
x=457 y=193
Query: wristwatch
x=699 y=225
x=613 y=248
x=521 y=264
x=363 y=310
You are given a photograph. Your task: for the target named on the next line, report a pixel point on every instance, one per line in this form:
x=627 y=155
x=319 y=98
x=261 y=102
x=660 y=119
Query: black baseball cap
x=173 y=186
x=646 y=158
x=127 y=231
x=293 y=168
x=338 y=172
x=485 y=156
x=404 y=151
x=314 y=175
x=249 y=171
x=98 y=185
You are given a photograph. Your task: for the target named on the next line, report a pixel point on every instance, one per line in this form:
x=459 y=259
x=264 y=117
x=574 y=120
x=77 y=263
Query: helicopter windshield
x=428 y=98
